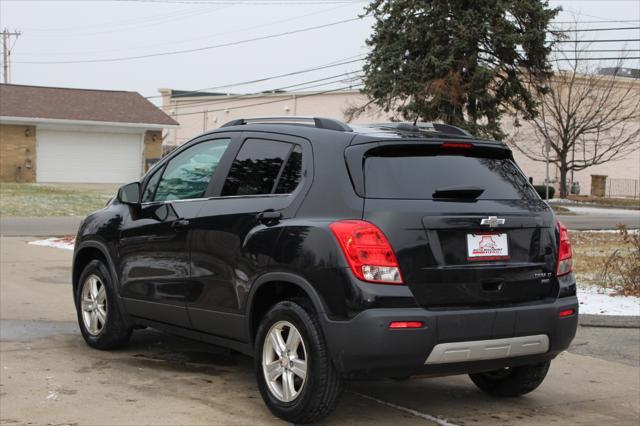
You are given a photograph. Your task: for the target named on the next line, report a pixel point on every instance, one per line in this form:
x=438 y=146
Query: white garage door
x=71 y=156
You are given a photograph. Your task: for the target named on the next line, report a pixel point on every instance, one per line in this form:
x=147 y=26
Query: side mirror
x=130 y=193
x=531 y=180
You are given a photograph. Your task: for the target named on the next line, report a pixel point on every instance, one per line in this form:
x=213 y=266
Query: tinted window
x=256 y=168
x=188 y=174
x=292 y=173
x=417 y=177
x=152 y=184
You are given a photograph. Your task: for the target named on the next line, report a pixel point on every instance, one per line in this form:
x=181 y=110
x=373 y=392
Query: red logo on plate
x=486 y=246
x=487 y=242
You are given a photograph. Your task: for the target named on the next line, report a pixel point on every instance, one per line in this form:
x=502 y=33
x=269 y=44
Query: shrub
x=541 y=192
x=622 y=268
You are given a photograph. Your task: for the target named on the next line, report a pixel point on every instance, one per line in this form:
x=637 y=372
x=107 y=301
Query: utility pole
x=6 y=52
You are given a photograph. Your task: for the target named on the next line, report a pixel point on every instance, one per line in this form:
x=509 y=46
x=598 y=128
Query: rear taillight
x=368 y=251
x=565 y=262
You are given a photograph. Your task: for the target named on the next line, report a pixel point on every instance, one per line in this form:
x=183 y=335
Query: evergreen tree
x=462 y=62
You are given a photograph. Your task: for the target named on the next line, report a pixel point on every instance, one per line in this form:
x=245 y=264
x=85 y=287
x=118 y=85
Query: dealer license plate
x=487 y=246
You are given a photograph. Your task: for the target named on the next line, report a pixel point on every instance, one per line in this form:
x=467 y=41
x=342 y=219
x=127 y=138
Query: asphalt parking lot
x=49 y=376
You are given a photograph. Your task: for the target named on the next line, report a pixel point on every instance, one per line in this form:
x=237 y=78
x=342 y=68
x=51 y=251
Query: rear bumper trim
x=482 y=350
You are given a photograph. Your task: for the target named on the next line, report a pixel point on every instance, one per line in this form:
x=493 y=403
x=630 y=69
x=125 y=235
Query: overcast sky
x=62 y=31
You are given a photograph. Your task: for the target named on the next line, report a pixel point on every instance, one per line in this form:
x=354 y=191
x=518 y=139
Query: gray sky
x=90 y=30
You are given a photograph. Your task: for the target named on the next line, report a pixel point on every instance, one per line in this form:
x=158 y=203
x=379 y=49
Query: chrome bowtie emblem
x=492 y=221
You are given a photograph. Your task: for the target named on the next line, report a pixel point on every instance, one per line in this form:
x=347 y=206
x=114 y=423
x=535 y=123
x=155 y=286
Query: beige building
x=199 y=112
x=51 y=134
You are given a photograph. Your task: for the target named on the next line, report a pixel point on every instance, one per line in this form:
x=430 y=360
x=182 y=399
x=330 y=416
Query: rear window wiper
x=458 y=192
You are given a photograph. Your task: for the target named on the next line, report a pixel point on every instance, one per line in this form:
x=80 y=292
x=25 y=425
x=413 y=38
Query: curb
x=595 y=205
x=611 y=321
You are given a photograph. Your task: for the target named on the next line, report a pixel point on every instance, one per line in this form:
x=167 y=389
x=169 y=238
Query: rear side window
x=292 y=173
x=403 y=176
x=264 y=167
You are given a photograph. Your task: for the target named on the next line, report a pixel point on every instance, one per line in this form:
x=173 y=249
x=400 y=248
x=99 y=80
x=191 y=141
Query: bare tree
x=587 y=118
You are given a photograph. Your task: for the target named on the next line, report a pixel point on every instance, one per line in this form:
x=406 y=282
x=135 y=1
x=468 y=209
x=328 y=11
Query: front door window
x=187 y=175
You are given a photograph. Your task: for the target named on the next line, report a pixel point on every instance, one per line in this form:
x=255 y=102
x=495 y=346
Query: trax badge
x=492 y=221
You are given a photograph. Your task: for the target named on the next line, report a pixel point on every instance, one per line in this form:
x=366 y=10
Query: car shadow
x=364 y=401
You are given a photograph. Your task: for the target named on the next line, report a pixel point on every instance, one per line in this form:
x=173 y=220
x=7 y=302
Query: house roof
x=57 y=103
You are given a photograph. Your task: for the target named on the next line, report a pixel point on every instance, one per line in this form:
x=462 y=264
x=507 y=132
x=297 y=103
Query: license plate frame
x=487 y=246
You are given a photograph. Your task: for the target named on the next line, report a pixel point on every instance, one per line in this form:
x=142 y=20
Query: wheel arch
x=285 y=286
x=85 y=253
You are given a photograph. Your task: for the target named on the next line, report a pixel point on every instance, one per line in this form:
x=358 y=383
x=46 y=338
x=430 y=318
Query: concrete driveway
x=49 y=376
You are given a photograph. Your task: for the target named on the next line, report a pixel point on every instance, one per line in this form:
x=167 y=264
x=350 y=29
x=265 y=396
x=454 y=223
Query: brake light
x=456 y=145
x=368 y=251
x=406 y=324
x=565 y=261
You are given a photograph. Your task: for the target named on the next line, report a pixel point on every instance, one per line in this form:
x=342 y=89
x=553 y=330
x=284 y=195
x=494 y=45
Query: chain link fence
x=623 y=188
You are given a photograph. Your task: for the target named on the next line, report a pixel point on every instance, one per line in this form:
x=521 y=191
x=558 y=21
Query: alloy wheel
x=284 y=361
x=94 y=305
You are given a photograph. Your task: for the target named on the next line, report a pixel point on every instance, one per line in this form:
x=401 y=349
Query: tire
x=313 y=397
x=512 y=381
x=111 y=332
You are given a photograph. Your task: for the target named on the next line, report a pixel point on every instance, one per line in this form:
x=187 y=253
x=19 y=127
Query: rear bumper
x=451 y=341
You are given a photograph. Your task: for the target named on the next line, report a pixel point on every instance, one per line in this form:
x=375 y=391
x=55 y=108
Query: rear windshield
x=404 y=176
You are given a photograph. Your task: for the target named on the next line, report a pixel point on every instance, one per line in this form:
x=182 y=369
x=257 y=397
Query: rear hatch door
x=467 y=227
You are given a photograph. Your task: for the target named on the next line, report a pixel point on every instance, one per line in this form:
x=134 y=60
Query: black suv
x=328 y=251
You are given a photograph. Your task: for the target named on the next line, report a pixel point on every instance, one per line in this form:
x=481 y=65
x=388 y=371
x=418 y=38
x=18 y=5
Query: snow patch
x=602 y=231
x=53 y=395
x=64 y=243
x=563 y=201
x=599 y=301
x=604 y=211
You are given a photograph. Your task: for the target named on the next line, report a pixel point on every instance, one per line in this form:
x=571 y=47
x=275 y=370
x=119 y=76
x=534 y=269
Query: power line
x=135 y=22
x=199 y=49
x=597 y=59
x=581 y=30
x=208 y=36
x=272 y=101
x=597 y=50
x=332 y=65
x=599 y=41
x=339 y=78
x=130 y=27
x=594 y=16
x=596 y=22
x=248 y=2
x=273 y=77
x=301 y=89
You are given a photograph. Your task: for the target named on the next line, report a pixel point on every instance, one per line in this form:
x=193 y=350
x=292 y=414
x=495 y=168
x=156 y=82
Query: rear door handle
x=180 y=224
x=269 y=217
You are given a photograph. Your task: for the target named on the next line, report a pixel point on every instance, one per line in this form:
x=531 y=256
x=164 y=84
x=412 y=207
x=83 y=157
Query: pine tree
x=462 y=62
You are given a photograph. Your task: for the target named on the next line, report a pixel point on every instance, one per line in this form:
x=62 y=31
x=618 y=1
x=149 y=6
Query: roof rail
x=319 y=122
x=429 y=127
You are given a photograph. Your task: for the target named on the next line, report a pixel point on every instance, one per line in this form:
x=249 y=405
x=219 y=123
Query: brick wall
x=152 y=147
x=17 y=153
